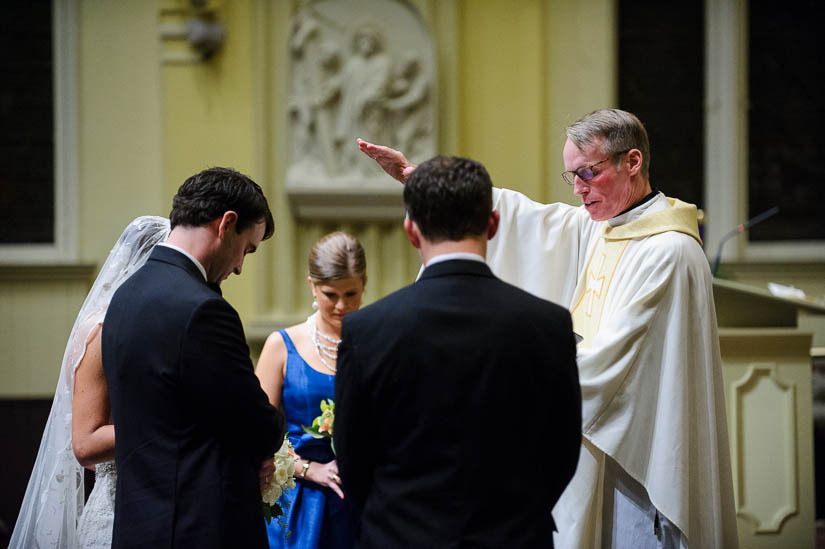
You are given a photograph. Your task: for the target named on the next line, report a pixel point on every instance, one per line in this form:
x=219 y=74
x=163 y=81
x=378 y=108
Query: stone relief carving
x=358 y=68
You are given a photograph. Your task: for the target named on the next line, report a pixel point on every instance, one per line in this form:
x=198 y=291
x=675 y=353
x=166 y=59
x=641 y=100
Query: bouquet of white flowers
x=282 y=479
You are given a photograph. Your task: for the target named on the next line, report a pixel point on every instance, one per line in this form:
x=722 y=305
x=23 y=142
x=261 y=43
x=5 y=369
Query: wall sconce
x=191 y=31
x=206 y=37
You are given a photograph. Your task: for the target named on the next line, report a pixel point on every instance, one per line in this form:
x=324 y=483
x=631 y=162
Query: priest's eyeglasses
x=585 y=173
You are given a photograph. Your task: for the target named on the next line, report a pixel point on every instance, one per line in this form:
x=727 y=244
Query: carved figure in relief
x=351 y=76
x=411 y=119
x=326 y=101
x=363 y=90
x=301 y=107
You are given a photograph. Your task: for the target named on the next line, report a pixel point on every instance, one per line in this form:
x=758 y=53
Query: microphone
x=741 y=229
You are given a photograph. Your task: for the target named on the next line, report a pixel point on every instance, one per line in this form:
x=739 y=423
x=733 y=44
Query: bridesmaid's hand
x=326 y=474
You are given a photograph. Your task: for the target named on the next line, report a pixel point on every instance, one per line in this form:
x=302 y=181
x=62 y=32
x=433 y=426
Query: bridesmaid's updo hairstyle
x=337 y=256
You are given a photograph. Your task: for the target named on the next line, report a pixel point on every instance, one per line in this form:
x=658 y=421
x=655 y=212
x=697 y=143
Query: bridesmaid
x=297 y=370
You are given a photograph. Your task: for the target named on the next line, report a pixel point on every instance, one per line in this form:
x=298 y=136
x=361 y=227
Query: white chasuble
x=640 y=292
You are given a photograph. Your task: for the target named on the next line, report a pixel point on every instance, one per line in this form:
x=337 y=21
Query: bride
x=79 y=432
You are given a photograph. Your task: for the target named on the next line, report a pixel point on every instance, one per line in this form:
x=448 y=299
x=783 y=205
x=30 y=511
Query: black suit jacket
x=458 y=412
x=192 y=423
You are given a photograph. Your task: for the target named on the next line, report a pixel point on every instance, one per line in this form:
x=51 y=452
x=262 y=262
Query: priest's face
x=611 y=190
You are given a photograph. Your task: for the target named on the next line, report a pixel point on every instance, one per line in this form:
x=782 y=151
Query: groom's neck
x=472 y=245
x=198 y=241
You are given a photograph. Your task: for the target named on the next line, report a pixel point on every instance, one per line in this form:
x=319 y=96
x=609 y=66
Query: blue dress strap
x=290 y=346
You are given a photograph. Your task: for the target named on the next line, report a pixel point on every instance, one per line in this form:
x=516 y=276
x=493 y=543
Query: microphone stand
x=741 y=229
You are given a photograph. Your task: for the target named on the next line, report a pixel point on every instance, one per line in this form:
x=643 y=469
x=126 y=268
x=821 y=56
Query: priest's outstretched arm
x=392 y=161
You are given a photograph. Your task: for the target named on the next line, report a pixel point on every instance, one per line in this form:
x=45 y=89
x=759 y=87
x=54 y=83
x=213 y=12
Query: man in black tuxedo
x=195 y=433
x=458 y=407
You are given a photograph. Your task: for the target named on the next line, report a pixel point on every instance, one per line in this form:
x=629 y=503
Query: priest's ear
x=492 y=224
x=634 y=161
x=413 y=232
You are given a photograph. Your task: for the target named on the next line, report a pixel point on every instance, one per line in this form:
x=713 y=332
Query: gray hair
x=337 y=256
x=621 y=131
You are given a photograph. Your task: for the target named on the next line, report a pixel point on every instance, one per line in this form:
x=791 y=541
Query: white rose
x=271 y=493
x=281 y=475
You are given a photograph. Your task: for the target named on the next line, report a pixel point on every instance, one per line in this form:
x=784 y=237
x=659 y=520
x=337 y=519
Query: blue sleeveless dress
x=316 y=516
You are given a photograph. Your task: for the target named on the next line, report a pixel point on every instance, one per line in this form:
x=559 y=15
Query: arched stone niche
x=358 y=68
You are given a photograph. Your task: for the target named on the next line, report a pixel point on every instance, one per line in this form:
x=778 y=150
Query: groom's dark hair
x=449 y=198
x=207 y=195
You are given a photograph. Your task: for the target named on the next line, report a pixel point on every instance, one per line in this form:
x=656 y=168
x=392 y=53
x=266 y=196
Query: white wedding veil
x=55 y=494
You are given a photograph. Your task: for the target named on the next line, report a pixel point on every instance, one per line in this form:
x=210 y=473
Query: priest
x=654 y=470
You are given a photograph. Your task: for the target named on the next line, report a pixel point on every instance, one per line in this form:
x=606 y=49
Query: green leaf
x=312 y=432
x=267 y=512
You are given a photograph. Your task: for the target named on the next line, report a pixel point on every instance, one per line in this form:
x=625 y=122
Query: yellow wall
x=38 y=310
x=145 y=123
x=119 y=121
x=580 y=74
x=119 y=176
x=501 y=90
x=511 y=76
x=208 y=112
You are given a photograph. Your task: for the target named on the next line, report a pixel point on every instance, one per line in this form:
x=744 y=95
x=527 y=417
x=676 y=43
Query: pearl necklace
x=323 y=349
